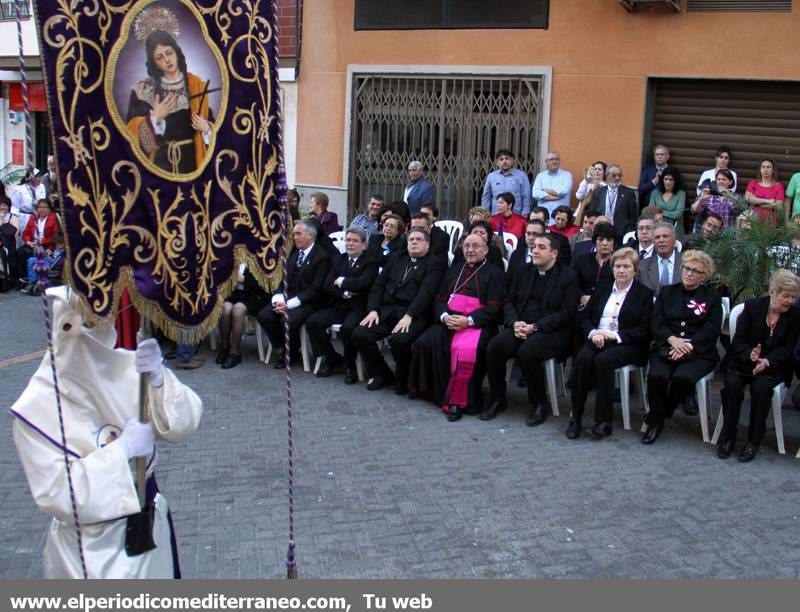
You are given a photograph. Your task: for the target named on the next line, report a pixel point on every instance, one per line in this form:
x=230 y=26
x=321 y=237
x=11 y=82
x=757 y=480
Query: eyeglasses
x=615 y=174
x=552 y=159
x=690 y=270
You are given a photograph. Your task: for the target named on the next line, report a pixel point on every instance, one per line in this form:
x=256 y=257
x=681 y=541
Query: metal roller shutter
x=756 y=119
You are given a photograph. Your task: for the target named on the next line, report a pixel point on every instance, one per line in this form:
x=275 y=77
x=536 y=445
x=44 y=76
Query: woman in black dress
x=760 y=356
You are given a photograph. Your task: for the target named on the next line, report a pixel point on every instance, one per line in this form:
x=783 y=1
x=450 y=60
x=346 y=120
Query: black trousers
x=668 y=384
x=531 y=354
x=317 y=326
x=273 y=326
x=366 y=338
x=594 y=367
x=760 y=404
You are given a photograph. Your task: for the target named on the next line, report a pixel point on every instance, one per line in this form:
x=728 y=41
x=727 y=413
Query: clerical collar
x=413 y=259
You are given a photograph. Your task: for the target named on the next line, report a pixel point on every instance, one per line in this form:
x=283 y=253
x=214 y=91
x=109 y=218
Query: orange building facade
x=596 y=62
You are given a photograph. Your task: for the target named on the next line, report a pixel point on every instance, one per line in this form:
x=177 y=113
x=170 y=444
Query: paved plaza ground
x=386 y=488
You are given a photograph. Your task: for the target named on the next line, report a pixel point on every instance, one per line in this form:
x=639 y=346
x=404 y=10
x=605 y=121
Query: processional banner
x=166 y=123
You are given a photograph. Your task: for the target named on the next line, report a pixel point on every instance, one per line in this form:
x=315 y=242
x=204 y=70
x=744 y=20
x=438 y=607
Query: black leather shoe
x=379 y=382
x=690 y=406
x=350 y=376
x=231 y=362
x=601 y=430
x=748 y=453
x=329 y=365
x=724 y=449
x=222 y=356
x=400 y=388
x=453 y=414
x=652 y=432
x=537 y=416
x=280 y=362
x=494 y=408
x=573 y=429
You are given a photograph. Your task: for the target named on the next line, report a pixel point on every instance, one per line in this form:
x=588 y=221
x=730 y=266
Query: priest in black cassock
x=448 y=361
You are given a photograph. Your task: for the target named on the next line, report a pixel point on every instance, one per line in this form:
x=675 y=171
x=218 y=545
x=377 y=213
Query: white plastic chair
x=510 y=242
x=338 y=240
x=454 y=229
x=623 y=376
x=552 y=378
x=333 y=332
x=778 y=394
x=629 y=236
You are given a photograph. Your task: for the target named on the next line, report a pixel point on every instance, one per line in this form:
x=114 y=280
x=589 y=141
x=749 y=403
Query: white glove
x=137 y=439
x=148 y=361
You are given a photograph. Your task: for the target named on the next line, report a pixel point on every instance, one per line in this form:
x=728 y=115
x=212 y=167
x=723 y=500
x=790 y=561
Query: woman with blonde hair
x=686 y=324
x=761 y=355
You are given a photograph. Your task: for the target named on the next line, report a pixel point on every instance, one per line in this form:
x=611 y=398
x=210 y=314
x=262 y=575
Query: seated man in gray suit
x=663 y=267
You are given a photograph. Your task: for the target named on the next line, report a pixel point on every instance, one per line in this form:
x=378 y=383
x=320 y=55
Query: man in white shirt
x=553 y=186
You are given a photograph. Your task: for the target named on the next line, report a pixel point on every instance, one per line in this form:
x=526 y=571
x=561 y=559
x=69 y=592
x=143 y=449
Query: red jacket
x=515 y=224
x=50 y=230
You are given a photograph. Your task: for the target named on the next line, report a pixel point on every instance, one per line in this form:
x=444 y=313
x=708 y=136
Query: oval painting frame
x=127 y=49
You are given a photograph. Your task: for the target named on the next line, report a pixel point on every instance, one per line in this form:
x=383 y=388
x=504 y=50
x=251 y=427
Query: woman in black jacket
x=760 y=356
x=616 y=325
x=595 y=267
x=686 y=324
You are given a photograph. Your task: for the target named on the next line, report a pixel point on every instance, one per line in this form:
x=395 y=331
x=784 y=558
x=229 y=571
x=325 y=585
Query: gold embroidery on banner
x=106 y=215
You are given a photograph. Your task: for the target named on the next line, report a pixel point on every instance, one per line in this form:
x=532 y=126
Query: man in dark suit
x=399 y=306
x=522 y=255
x=306 y=269
x=644 y=243
x=564 y=249
x=440 y=240
x=540 y=315
x=347 y=286
x=651 y=174
x=664 y=266
x=418 y=189
x=617 y=202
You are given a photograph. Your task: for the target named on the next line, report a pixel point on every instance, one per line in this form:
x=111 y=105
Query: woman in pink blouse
x=766 y=195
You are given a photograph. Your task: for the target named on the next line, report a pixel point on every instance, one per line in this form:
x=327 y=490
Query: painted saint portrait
x=169 y=113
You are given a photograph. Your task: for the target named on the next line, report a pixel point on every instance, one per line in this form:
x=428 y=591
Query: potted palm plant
x=745 y=257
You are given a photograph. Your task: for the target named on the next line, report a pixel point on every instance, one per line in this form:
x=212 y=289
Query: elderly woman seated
x=686 y=324
x=760 y=356
x=617 y=329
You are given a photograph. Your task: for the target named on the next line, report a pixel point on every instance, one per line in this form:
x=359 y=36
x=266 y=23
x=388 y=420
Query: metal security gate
x=452 y=124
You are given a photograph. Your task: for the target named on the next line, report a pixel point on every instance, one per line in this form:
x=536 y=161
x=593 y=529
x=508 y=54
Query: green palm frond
x=741 y=258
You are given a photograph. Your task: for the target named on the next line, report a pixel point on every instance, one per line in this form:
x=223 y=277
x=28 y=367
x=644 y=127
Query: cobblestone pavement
x=385 y=487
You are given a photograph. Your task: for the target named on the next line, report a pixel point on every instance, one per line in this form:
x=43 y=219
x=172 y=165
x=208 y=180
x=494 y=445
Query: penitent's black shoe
x=350 y=376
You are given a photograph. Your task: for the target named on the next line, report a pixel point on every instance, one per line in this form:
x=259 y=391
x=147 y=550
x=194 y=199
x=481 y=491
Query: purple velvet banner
x=166 y=121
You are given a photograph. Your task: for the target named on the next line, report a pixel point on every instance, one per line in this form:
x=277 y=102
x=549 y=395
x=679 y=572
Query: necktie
x=642 y=253
x=301 y=257
x=664 y=281
x=612 y=203
x=352 y=264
